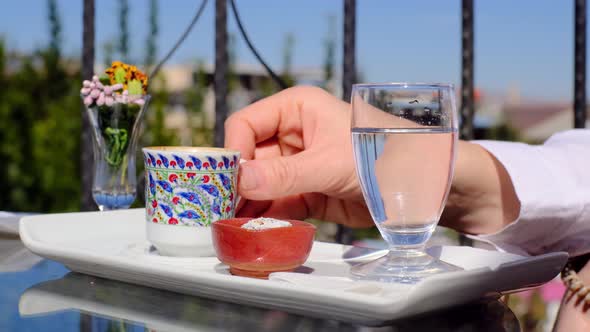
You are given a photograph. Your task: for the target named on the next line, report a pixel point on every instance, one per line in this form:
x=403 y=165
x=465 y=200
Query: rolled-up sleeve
x=552 y=182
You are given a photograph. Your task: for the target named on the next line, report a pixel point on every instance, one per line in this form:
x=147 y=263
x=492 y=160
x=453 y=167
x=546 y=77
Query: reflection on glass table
x=43 y=295
x=166 y=311
x=14 y=257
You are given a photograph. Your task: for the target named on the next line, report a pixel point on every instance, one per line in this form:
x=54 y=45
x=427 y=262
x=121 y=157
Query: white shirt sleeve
x=552 y=182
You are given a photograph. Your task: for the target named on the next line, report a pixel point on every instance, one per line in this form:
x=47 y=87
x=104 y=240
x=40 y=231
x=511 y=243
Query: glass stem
x=407 y=251
x=123 y=172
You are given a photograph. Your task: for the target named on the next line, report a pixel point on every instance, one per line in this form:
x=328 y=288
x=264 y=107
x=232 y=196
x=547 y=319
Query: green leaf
x=135 y=88
x=120 y=75
x=105 y=79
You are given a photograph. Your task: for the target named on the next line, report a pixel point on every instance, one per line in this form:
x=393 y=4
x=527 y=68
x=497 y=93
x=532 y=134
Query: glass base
x=403 y=266
x=113 y=201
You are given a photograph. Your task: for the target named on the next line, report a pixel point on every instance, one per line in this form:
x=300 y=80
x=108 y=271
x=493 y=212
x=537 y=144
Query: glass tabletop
x=38 y=294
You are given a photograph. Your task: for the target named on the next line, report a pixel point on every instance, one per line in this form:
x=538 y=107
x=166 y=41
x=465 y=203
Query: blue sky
x=526 y=44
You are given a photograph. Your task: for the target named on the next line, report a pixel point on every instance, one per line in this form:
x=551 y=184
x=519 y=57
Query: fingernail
x=247 y=178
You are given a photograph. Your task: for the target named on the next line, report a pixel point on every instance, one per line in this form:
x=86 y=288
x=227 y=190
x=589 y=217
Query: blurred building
x=534 y=121
x=538 y=121
x=250 y=83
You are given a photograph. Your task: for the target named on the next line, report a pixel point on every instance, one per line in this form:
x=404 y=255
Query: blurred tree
x=502 y=132
x=55 y=128
x=201 y=133
x=4 y=118
x=54 y=143
x=51 y=55
x=39 y=127
x=151 y=51
x=329 y=53
x=266 y=88
x=124 y=30
x=54 y=26
x=288 y=48
x=2 y=64
x=15 y=118
x=156 y=132
x=108 y=49
x=233 y=79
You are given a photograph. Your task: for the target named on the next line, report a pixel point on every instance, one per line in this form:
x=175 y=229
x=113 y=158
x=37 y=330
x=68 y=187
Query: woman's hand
x=300 y=162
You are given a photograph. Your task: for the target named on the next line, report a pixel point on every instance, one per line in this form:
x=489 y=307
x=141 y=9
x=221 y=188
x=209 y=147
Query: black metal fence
x=580 y=64
x=348 y=74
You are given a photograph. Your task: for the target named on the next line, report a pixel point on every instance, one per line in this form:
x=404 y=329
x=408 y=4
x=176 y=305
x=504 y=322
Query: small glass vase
x=115 y=132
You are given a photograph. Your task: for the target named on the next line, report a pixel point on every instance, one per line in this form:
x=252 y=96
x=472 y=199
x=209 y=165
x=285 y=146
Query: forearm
x=482 y=199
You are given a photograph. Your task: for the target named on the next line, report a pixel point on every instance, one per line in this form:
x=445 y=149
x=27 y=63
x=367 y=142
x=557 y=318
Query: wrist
x=482 y=198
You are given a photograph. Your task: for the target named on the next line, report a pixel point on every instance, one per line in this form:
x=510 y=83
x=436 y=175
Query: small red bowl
x=257 y=253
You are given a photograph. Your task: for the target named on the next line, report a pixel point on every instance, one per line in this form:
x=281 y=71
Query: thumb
x=265 y=179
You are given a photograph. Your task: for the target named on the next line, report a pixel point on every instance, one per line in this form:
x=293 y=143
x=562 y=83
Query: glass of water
x=404 y=138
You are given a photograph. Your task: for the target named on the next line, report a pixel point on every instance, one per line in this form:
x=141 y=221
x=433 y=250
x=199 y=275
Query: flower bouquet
x=115 y=103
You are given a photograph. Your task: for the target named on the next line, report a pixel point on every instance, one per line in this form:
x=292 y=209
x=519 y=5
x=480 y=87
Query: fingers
x=255 y=123
x=265 y=118
x=253 y=208
x=282 y=176
x=292 y=207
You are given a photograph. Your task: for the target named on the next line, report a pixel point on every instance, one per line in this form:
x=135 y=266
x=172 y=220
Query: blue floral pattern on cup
x=189 y=190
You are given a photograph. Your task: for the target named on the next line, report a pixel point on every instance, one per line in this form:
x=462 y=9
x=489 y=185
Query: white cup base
x=180 y=241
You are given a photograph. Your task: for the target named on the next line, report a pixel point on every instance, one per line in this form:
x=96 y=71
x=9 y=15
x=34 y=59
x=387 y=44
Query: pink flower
x=154 y=203
x=175 y=200
x=205 y=178
x=172 y=177
x=172 y=221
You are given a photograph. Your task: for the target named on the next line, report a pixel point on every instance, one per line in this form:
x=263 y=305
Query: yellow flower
x=120 y=72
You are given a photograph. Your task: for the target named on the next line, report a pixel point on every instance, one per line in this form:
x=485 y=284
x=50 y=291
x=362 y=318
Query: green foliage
x=267 y=88
x=202 y=134
x=39 y=134
x=120 y=75
x=233 y=79
x=330 y=51
x=503 y=132
x=287 y=75
x=108 y=49
x=116 y=134
x=135 y=88
x=156 y=132
x=124 y=30
x=151 y=50
x=105 y=79
x=54 y=26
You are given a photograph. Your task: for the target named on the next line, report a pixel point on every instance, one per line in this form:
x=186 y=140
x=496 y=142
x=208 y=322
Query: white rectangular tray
x=112 y=245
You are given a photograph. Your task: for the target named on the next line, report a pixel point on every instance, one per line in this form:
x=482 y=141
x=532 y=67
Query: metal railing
x=348 y=74
x=580 y=64
x=467 y=77
x=87 y=159
x=220 y=76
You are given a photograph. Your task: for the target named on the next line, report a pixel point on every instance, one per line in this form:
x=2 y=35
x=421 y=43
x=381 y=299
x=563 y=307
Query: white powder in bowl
x=265 y=223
